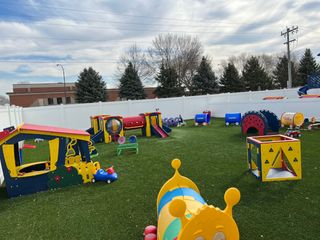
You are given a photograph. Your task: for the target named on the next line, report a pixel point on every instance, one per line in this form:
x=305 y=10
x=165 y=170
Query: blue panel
x=22 y=186
x=62 y=152
x=84 y=149
x=90 y=131
x=179 y=192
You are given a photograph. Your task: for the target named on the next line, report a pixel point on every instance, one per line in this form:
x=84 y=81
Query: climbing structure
x=313 y=82
x=274 y=157
x=107 y=128
x=69 y=161
x=261 y=122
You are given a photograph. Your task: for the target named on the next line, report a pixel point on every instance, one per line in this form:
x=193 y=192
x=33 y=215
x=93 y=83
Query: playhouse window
x=30 y=158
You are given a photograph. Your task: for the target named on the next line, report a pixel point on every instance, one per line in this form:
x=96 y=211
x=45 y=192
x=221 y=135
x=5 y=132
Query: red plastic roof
x=49 y=129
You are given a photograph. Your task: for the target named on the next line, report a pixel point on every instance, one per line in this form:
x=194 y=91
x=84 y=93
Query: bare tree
x=268 y=62
x=240 y=60
x=3 y=100
x=181 y=52
x=138 y=57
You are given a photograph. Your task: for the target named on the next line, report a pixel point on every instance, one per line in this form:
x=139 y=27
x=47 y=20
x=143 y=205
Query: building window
x=59 y=100
x=68 y=100
x=50 y=101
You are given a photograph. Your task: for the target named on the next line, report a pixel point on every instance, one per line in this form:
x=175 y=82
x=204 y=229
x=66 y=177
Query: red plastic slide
x=160 y=131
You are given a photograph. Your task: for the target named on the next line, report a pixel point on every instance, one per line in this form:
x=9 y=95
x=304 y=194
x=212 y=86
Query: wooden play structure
x=274 y=157
x=183 y=214
x=107 y=128
x=69 y=160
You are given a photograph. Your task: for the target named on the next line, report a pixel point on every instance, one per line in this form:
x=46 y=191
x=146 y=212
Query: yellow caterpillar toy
x=184 y=215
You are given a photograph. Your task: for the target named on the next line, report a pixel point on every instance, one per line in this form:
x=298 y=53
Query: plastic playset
x=123 y=146
x=202 y=119
x=261 y=122
x=313 y=124
x=313 y=82
x=174 y=122
x=107 y=128
x=293 y=121
x=232 y=118
x=183 y=214
x=274 y=157
x=69 y=161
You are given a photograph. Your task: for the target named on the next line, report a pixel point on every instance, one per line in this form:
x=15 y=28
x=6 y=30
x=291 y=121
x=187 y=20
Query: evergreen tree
x=230 y=80
x=168 y=83
x=255 y=77
x=204 y=81
x=131 y=85
x=280 y=74
x=307 y=66
x=90 y=87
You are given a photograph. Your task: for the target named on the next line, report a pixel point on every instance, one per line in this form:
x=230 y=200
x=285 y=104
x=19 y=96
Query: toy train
x=183 y=214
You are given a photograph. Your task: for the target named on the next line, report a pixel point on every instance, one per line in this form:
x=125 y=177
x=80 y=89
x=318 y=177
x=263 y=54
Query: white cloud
x=95 y=33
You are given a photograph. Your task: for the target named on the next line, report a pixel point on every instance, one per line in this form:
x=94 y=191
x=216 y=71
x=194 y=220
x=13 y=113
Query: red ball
x=150 y=236
x=150 y=229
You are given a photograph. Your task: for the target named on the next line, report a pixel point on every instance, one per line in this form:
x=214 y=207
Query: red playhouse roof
x=49 y=129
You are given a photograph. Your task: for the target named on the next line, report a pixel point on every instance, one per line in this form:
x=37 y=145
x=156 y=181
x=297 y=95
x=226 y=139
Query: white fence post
x=9 y=114
x=183 y=106
x=62 y=115
x=100 y=108
x=129 y=107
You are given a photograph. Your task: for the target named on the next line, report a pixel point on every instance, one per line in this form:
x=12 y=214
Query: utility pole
x=286 y=34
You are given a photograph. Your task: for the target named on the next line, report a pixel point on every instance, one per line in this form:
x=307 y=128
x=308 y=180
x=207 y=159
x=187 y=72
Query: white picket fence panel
x=9 y=116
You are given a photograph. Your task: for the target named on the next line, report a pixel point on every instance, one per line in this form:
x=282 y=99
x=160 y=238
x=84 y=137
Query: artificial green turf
x=214 y=157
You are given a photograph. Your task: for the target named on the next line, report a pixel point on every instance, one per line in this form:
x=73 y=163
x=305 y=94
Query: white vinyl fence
x=9 y=116
x=77 y=115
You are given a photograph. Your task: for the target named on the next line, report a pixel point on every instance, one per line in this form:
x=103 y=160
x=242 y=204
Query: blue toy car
x=105 y=176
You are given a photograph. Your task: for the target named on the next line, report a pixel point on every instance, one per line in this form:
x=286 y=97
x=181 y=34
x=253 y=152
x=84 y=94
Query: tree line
x=177 y=65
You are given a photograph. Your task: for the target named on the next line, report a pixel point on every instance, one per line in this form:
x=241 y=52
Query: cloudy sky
x=35 y=35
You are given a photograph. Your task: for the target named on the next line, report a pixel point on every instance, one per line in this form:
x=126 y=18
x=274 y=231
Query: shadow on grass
x=3 y=193
x=254 y=191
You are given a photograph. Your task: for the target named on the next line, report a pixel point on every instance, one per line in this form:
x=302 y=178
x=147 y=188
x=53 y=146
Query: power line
x=154 y=24
x=106 y=40
x=105 y=12
x=286 y=34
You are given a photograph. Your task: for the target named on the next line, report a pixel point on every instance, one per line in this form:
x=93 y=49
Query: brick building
x=44 y=94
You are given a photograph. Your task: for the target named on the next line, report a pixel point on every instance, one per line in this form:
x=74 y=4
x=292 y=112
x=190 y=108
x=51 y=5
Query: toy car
x=108 y=175
x=293 y=133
